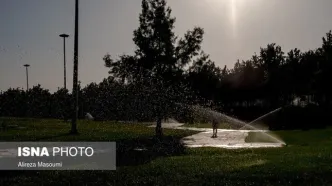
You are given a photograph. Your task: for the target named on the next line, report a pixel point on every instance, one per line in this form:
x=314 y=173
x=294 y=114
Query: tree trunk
x=159 y=130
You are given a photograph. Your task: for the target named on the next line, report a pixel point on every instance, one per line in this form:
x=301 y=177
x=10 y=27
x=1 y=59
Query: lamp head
x=64 y=35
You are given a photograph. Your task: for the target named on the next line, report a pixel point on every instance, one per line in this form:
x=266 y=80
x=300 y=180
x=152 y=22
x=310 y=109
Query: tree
x=60 y=104
x=325 y=70
x=204 y=77
x=13 y=103
x=270 y=60
x=290 y=75
x=38 y=102
x=158 y=64
x=90 y=97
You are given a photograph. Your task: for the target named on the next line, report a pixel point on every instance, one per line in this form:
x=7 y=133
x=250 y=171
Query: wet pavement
x=230 y=139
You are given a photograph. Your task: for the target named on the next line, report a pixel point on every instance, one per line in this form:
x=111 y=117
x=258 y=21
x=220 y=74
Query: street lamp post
x=64 y=36
x=27 y=73
x=75 y=75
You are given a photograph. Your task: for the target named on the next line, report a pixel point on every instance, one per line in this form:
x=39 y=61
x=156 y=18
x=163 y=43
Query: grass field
x=307 y=160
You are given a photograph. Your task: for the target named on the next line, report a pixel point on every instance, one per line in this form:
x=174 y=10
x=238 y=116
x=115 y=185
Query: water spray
x=223 y=117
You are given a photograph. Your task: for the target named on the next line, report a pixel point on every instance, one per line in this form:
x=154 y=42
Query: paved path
x=230 y=139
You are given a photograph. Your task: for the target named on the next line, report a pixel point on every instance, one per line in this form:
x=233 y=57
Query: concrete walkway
x=230 y=139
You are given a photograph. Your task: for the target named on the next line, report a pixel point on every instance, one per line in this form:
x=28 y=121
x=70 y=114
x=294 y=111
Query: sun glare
x=233 y=16
x=232 y=7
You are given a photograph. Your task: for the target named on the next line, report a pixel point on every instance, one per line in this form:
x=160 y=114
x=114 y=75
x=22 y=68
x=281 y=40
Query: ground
x=208 y=125
x=306 y=160
x=227 y=138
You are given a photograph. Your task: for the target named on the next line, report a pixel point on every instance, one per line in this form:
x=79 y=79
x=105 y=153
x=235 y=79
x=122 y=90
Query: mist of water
x=210 y=114
x=260 y=118
x=171 y=120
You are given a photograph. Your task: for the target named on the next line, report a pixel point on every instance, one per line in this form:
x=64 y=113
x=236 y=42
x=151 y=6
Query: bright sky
x=235 y=29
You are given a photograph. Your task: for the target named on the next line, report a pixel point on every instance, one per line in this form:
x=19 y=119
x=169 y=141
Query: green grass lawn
x=307 y=160
x=57 y=130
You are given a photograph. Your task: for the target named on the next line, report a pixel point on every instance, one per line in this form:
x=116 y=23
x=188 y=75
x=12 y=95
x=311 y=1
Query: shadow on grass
x=287 y=172
x=52 y=137
x=138 y=151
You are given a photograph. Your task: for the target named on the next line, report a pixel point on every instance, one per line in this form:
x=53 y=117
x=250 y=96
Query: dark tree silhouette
x=38 y=100
x=158 y=62
x=60 y=104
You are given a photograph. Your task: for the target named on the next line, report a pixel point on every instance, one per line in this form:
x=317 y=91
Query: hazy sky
x=235 y=29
